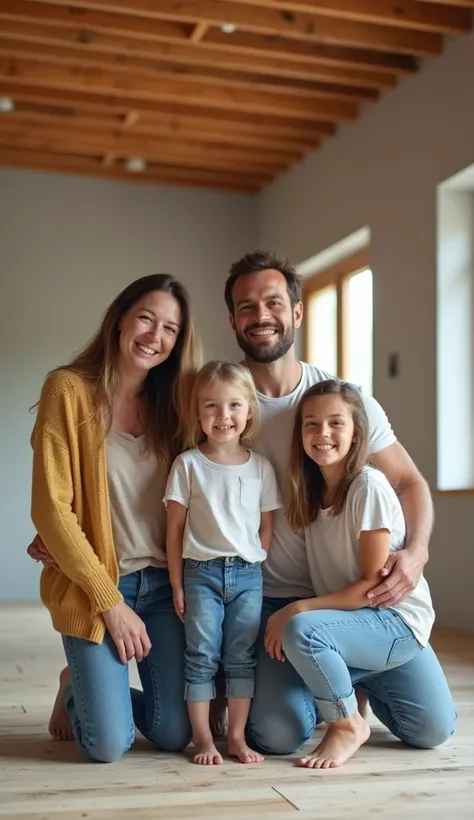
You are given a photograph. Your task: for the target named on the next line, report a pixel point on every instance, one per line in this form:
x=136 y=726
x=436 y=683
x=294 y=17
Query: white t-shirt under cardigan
x=286 y=572
x=136 y=484
x=334 y=551
x=224 y=503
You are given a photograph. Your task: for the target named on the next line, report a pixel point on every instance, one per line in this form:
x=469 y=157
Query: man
x=263 y=295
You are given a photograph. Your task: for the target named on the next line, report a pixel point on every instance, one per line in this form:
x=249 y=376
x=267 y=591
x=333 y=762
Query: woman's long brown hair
x=167 y=386
x=306 y=481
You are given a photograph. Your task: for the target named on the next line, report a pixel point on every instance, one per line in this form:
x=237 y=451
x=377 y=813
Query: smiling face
x=148 y=331
x=327 y=430
x=223 y=410
x=264 y=320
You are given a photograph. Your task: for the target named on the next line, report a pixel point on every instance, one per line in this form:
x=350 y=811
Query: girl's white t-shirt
x=224 y=503
x=285 y=574
x=333 y=549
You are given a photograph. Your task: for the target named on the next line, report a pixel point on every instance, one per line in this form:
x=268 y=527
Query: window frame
x=335 y=275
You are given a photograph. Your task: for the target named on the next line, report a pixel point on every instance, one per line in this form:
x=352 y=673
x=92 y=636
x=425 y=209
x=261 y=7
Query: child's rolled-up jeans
x=223 y=599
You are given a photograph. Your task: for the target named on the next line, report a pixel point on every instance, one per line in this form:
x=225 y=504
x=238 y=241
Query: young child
x=220 y=498
x=353 y=520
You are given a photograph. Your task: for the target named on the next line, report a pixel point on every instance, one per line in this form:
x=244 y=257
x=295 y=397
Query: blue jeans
x=223 y=600
x=103 y=709
x=333 y=649
x=412 y=700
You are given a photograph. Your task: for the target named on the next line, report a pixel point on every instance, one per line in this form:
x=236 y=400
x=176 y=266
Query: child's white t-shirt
x=332 y=543
x=285 y=574
x=224 y=503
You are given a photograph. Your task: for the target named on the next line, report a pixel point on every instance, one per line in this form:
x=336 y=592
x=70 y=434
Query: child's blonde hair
x=229 y=373
x=306 y=481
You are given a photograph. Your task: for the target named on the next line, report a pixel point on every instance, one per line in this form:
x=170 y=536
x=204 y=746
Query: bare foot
x=238 y=748
x=59 y=724
x=207 y=754
x=340 y=742
x=218 y=717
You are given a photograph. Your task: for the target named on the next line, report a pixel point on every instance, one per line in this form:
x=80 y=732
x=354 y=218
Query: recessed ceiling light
x=135 y=165
x=6 y=105
x=228 y=28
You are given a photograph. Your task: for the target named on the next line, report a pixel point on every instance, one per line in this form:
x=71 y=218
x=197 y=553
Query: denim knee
x=109 y=747
x=276 y=735
x=432 y=731
x=172 y=736
x=294 y=633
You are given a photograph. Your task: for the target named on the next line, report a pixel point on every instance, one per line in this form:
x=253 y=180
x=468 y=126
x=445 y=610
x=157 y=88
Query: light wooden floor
x=44 y=779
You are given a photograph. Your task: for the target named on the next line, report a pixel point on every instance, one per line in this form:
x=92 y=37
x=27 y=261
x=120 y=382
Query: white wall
x=382 y=172
x=68 y=245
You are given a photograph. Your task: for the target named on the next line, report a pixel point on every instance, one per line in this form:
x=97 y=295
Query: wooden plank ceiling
x=219 y=93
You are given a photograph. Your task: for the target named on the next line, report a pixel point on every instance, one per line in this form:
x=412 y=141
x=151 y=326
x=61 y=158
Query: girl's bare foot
x=218 y=717
x=59 y=724
x=206 y=753
x=342 y=740
x=237 y=747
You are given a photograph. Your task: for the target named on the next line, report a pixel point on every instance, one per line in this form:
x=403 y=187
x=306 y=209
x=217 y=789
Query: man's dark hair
x=263 y=260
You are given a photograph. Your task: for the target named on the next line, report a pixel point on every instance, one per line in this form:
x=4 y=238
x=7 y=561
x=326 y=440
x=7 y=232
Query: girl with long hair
x=352 y=520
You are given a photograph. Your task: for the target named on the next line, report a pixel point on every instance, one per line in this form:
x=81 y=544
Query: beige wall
x=382 y=172
x=68 y=246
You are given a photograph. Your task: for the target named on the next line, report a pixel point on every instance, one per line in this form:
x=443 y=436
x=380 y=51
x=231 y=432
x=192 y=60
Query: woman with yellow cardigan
x=106 y=433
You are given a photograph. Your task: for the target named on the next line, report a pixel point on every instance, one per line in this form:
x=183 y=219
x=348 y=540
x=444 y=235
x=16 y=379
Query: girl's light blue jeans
x=104 y=710
x=223 y=599
x=332 y=649
x=411 y=699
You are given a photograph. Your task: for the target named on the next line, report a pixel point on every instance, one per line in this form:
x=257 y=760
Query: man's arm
x=404 y=568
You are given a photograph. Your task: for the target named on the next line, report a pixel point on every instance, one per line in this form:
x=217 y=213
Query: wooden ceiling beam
x=198 y=32
x=467 y=4
x=209 y=57
x=441 y=16
x=211 y=158
x=109 y=159
x=177 y=115
x=148 y=146
x=171 y=129
x=299 y=25
x=112 y=81
x=130 y=119
x=43 y=160
x=137 y=66
x=342 y=56
x=87 y=23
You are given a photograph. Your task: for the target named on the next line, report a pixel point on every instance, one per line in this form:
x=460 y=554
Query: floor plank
x=41 y=779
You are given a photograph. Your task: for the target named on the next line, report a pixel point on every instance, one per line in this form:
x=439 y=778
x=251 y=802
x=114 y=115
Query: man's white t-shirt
x=224 y=503
x=333 y=548
x=286 y=572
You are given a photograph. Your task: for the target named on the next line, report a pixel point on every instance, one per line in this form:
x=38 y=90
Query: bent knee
x=276 y=736
x=294 y=633
x=431 y=733
x=171 y=738
x=108 y=749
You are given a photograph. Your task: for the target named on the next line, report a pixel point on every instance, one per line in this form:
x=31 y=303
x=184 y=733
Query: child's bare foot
x=206 y=753
x=237 y=747
x=59 y=724
x=342 y=740
x=218 y=717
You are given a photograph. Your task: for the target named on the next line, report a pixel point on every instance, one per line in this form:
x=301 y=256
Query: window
x=455 y=333
x=338 y=306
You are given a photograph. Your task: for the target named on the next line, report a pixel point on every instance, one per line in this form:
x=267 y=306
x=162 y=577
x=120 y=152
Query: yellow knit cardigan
x=70 y=507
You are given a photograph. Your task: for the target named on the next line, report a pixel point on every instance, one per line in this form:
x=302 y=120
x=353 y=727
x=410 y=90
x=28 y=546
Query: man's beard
x=259 y=353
